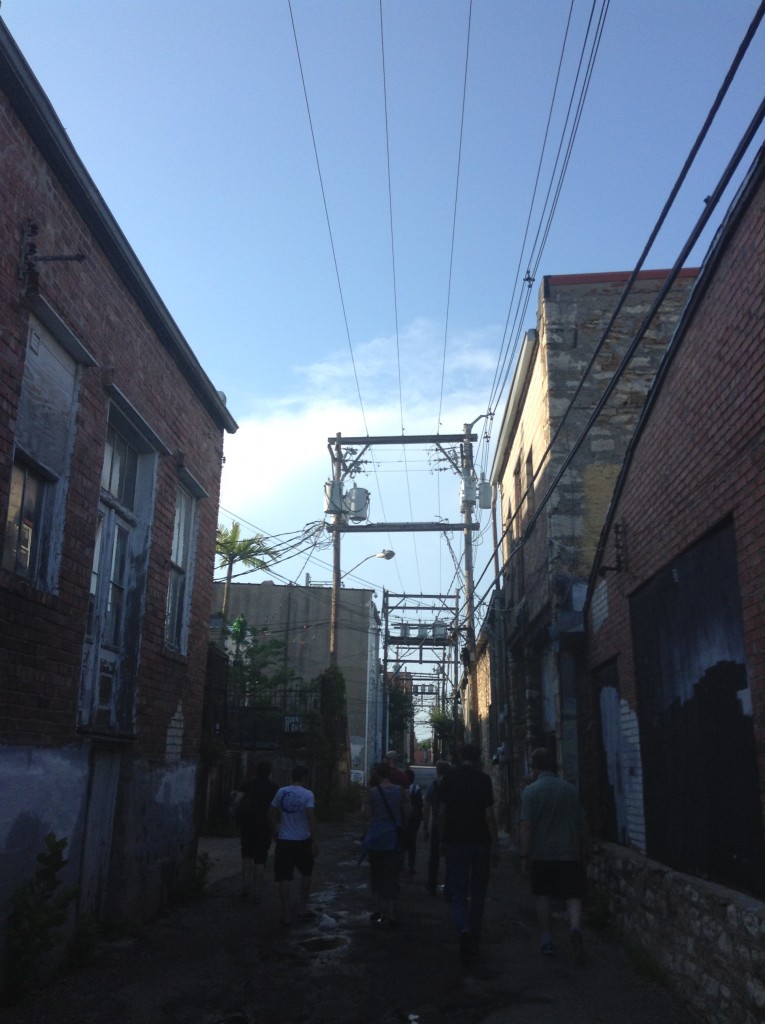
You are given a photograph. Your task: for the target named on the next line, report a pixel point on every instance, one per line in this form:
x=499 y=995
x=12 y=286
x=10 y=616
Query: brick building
x=673 y=742
x=534 y=628
x=111 y=444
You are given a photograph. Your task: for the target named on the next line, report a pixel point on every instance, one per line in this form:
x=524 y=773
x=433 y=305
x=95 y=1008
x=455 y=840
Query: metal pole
x=337 y=467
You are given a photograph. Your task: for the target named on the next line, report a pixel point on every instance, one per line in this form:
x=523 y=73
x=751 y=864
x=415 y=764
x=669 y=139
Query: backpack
x=415 y=798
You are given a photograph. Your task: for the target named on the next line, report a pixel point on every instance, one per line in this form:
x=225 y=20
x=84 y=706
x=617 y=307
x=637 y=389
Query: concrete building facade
x=111 y=444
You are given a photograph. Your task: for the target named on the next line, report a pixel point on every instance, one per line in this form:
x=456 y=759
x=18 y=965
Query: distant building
x=299 y=617
x=111 y=442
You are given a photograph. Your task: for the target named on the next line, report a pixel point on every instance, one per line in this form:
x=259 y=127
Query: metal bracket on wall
x=29 y=257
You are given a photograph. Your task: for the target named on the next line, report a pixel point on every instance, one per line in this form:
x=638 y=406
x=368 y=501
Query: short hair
x=542 y=759
x=470 y=752
x=409 y=774
x=442 y=767
x=299 y=772
x=382 y=770
x=391 y=756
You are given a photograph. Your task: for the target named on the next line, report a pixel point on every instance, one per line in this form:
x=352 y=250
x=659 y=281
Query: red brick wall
x=41 y=635
x=700 y=458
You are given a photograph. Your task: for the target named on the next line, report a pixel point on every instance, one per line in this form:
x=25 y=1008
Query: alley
x=218 y=960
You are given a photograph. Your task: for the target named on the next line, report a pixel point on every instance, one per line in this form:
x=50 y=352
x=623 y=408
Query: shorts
x=255 y=844
x=290 y=854
x=560 y=879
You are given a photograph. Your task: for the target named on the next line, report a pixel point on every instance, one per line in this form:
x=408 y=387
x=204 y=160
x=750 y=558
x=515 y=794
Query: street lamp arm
x=385 y=553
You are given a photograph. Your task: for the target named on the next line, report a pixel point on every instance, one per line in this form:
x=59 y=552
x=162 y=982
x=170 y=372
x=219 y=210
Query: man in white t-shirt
x=293 y=819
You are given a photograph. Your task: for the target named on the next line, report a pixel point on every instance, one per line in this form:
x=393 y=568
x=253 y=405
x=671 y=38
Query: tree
x=232 y=549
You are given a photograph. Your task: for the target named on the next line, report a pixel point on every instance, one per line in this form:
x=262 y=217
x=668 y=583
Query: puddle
x=323 y=944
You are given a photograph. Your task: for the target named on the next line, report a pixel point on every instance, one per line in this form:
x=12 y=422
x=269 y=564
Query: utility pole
x=468 y=502
x=337 y=519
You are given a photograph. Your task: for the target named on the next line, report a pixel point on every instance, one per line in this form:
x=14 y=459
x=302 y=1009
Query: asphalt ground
x=222 y=960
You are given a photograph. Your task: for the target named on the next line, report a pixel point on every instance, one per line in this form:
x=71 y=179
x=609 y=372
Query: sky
x=339 y=200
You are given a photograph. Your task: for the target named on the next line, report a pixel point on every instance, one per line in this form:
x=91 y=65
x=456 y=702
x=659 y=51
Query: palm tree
x=232 y=549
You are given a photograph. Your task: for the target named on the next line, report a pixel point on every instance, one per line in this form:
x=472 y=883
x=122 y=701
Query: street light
x=336 y=578
x=387 y=555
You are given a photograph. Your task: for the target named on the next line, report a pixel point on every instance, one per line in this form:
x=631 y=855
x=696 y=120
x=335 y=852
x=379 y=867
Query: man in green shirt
x=552 y=843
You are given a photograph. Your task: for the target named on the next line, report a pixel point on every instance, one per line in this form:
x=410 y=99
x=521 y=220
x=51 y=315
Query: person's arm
x=491 y=821
x=273 y=820
x=525 y=843
x=406 y=805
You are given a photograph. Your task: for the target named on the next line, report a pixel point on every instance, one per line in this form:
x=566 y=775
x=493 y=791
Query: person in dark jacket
x=469 y=839
x=251 y=815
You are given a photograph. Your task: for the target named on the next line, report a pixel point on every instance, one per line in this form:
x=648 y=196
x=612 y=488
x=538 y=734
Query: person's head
x=263 y=770
x=442 y=767
x=392 y=758
x=382 y=770
x=299 y=774
x=410 y=775
x=470 y=753
x=542 y=760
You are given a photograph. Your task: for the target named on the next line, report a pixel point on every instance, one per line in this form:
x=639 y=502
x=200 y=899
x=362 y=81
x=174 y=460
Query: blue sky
x=192 y=119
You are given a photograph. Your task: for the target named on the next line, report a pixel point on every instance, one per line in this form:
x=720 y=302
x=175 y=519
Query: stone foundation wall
x=707 y=941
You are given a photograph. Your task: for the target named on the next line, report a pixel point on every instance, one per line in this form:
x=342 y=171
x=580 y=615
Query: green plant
x=38 y=913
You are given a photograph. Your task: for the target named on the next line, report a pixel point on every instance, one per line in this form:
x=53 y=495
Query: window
x=22 y=548
x=179 y=585
x=119 y=570
x=45 y=424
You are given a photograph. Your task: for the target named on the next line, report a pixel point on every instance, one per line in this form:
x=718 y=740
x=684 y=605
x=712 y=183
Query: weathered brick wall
x=46 y=763
x=699 y=460
x=41 y=634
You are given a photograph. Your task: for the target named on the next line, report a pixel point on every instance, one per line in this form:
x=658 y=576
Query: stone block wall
x=707 y=941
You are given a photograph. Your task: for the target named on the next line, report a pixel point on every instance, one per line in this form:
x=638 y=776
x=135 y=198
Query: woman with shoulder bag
x=387 y=810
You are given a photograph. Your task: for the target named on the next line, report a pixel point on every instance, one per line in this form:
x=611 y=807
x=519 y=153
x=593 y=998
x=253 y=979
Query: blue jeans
x=467 y=875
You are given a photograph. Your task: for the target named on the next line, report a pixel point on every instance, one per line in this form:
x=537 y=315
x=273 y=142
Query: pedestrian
x=293 y=819
x=552 y=841
x=468 y=832
x=397 y=775
x=251 y=815
x=415 y=820
x=431 y=831
x=386 y=808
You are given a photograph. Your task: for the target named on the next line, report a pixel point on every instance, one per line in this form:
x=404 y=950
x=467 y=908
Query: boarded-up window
x=702 y=805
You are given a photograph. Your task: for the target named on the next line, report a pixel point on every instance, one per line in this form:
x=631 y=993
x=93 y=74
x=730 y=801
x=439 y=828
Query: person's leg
x=544 y=918
x=305 y=892
x=375 y=884
x=284 y=900
x=258 y=873
x=457 y=873
x=283 y=876
x=480 y=862
x=434 y=856
x=247 y=876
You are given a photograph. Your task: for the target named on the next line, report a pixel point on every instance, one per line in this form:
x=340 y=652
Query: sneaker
x=577 y=947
